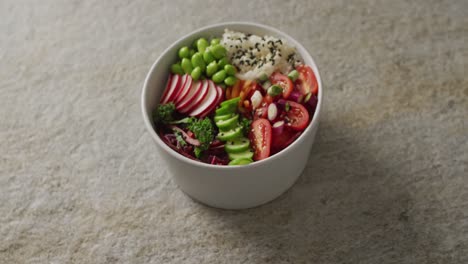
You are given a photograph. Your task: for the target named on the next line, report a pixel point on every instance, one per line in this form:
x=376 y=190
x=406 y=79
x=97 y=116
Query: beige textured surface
x=81 y=182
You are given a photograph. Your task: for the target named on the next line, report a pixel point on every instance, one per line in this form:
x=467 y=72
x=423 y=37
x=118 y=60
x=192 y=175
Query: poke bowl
x=233 y=109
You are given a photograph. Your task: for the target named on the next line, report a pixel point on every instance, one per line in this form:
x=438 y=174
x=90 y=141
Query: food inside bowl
x=236 y=99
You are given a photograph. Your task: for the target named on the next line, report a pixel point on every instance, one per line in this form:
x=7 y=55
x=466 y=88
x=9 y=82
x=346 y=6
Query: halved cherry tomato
x=306 y=83
x=283 y=81
x=297 y=116
x=260 y=136
x=261 y=112
x=281 y=141
x=267 y=99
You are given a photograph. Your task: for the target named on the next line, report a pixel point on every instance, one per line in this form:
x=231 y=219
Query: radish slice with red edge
x=172 y=89
x=166 y=90
x=201 y=95
x=196 y=86
x=185 y=88
x=219 y=99
x=209 y=100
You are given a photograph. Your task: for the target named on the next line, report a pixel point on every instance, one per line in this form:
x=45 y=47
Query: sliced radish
x=219 y=98
x=201 y=95
x=173 y=86
x=209 y=100
x=166 y=90
x=194 y=90
x=184 y=88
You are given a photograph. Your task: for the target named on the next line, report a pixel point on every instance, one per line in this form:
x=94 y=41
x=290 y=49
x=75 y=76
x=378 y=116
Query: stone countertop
x=81 y=181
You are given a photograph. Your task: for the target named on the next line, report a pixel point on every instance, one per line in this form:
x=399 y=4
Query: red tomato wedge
x=297 y=116
x=283 y=81
x=281 y=141
x=260 y=136
x=306 y=83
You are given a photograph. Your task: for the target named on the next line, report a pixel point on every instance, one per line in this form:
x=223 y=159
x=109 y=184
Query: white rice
x=254 y=55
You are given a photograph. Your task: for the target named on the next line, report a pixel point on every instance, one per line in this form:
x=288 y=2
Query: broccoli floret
x=204 y=131
x=245 y=123
x=164 y=113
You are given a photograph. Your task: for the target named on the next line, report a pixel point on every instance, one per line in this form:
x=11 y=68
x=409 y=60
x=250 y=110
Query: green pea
x=212 y=68
x=202 y=44
x=218 y=51
x=177 y=69
x=184 y=52
x=230 y=70
x=219 y=76
x=186 y=65
x=197 y=61
x=215 y=41
x=196 y=73
x=222 y=62
x=208 y=56
x=230 y=80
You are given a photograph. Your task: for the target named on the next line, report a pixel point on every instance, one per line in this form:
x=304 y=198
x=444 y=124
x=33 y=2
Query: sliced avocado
x=230 y=123
x=238 y=145
x=240 y=161
x=246 y=154
x=230 y=134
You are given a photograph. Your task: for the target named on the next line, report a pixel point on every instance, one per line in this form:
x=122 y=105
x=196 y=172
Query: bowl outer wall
x=230 y=187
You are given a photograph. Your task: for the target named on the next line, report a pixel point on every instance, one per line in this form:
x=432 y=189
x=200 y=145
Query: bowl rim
x=182 y=158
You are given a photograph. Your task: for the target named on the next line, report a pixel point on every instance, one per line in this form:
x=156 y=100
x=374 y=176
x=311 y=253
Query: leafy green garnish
x=164 y=113
x=245 y=123
x=197 y=152
x=187 y=120
x=179 y=138
x=204 y=131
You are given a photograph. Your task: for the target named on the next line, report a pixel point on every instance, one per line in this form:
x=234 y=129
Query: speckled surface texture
x=81 y=181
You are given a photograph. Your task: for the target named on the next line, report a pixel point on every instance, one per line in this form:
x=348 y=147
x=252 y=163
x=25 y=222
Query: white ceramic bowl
x=230 y=187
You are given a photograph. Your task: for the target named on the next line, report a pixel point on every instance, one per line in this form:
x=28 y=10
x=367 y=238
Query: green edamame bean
x=230 y=80
x=196 y=73
x=218 y=51
x=219 y=76
x=197 y=61
x=192 y=51
x=222 y=62
x=186 y=65
x=208 y=56
x=212 y=68
x=230 y=70
x=184 y=52
x=177 y=69
x=202 y=44
x=215 y=41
